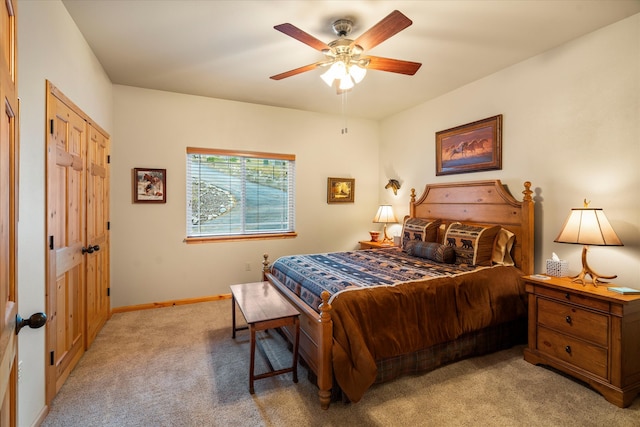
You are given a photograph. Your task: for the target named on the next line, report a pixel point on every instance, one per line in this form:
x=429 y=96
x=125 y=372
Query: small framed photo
x=149 y=185
x=341 y=190
x=472 y=147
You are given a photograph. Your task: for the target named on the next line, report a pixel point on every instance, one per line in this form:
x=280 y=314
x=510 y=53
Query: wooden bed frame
x=482 y=202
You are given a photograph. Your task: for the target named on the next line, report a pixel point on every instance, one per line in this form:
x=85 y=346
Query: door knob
x=90 y=249
x=37 y=320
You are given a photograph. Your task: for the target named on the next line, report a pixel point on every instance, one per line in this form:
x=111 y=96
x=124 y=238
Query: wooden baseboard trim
x=151 y=305
x=41 y=416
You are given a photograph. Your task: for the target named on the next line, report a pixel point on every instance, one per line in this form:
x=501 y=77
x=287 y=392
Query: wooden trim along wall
x=172 y=303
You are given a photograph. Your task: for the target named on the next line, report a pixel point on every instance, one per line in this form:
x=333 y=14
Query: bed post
x=325 y=371
x=527 y=232
x=412 y=204
x=265 y=266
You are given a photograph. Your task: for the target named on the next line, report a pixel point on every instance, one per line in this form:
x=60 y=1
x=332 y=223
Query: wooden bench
x=264 y=308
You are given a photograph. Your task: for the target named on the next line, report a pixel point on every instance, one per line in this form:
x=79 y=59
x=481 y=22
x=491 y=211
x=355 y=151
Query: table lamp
x=385 y=215
x=588 y=226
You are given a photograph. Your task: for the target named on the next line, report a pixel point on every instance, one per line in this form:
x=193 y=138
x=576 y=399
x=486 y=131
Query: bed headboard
x=482 y=202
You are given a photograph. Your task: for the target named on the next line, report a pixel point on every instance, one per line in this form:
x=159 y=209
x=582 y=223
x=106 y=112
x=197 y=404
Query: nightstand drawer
x=575 y=321
x=578 y=353
x=574 y=298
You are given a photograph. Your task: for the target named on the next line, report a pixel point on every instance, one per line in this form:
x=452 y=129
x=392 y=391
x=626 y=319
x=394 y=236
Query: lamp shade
x=338 y=70
x=346 y=83
x=385 y=214
x=588 y=226
x=357 y=72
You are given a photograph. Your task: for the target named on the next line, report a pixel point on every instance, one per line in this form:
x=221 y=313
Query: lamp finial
x=586 y=203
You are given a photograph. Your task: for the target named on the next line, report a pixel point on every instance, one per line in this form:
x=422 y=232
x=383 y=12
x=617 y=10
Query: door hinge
x=108 y=292
x=51 y=359
x=51 y=242
x=109 y=159
x=108 y=225
x=51 y=126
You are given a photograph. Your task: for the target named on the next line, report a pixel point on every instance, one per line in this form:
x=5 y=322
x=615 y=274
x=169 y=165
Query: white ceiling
x=228 y=49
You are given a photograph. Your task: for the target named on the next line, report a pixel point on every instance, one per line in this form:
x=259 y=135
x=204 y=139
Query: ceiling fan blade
x=298 y=34
x=389 y=26
x=296 y=71
x=392 y=65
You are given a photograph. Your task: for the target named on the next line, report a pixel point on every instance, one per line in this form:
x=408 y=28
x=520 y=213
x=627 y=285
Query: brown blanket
x=376 y=323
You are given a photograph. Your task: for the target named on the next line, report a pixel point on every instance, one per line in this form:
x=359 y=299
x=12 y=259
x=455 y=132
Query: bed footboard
x=316 y=334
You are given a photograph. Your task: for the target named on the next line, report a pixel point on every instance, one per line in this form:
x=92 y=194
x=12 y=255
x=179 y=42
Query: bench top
x=260 y=301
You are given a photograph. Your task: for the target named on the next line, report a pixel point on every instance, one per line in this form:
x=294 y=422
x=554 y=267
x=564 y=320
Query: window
x=239 y=195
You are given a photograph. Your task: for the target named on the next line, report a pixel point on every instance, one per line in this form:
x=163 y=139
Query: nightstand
x=368 y=244
x=590 y=333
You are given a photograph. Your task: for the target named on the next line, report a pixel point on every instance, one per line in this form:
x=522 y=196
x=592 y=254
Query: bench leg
x=296 y=323
x=233 y=316
x=253 y=358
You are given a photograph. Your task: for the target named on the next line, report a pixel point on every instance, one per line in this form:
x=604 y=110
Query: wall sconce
x=385 y=215
x=394 y=185
x=588 y=226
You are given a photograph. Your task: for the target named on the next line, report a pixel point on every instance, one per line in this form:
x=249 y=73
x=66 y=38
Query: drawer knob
x=568 y=349
x=567 y=296
x=568 y=319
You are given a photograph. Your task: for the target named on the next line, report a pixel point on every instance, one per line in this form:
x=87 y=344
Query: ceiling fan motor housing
x=342 y=27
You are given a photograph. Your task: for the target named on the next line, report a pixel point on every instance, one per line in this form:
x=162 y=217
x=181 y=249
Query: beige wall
x=150 y=261
x=571 y=120
x=571 y=126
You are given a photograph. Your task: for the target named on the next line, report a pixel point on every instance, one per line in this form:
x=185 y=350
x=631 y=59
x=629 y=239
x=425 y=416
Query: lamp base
x=588 y=271
x=386 y=238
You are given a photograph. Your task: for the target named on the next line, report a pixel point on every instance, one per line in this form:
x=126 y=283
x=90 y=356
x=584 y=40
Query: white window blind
x=235 y=193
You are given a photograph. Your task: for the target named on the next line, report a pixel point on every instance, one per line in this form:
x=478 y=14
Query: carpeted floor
x=178 y=366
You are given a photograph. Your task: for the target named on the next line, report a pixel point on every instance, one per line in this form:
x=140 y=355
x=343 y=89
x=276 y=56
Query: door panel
x=9 y=146
x=98 y=303
x=66 y=152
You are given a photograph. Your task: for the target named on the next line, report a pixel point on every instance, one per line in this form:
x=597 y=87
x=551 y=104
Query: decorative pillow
x=473 y=244
x=502 y=248
x=420 y=230
x=433 y=251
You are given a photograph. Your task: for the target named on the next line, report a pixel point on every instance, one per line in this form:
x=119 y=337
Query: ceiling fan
x=344 y=57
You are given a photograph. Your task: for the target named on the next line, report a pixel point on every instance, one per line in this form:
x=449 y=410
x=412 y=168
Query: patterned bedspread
x=400 y=305
x=309 y=275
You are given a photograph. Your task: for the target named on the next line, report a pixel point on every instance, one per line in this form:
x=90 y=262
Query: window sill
x=216 y=239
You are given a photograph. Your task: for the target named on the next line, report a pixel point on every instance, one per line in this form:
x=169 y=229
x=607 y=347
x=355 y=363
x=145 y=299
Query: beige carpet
x=178 y=366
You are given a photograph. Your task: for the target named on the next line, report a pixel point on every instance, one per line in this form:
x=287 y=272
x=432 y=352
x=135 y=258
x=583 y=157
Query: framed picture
x=472 y=147
x=341 y=190
x=149 y=185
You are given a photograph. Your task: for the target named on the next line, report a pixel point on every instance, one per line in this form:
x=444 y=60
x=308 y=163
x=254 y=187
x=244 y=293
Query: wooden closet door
x=8 y=215
x=66 y=151
x=98 y=301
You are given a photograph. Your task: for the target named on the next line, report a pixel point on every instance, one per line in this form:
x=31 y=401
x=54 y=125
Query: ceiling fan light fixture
x=327 y=77
x=357 y=73
x=338 y=70
x=346 y=83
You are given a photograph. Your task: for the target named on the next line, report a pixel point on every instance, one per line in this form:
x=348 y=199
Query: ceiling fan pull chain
x=344 y=112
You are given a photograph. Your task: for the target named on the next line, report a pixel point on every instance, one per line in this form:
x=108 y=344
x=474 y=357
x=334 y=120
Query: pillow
x=473 y=244
x=502 y=248
x=433 y=251
x=419 y=229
